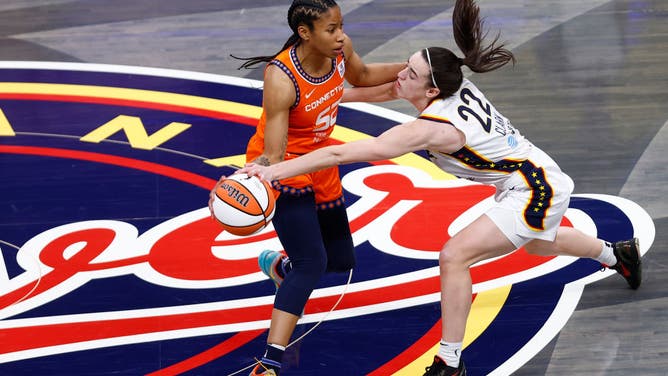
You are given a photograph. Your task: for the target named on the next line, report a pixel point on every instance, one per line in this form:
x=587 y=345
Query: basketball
x=243 y=204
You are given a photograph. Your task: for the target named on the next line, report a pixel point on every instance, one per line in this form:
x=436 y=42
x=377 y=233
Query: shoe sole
x=634 y=279
x=269 y=273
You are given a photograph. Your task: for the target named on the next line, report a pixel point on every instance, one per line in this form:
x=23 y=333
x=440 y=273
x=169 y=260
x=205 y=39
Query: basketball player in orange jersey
x=466 y=136
x=303 y=85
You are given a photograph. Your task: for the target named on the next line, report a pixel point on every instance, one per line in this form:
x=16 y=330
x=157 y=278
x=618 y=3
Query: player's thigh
x=480 y=240
x=297 y=227
x=337 y=238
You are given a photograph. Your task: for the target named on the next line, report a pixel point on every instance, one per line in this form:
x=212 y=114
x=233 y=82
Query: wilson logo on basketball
x=234 y=193
x=243 y=205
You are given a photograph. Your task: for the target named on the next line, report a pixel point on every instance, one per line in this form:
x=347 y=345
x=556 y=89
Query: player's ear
x=304 y=32
x=432 y=92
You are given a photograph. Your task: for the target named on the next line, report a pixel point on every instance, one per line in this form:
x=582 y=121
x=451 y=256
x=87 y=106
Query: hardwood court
x=589 y=88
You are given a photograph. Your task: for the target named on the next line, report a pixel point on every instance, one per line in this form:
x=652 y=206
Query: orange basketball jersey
x=311 y=120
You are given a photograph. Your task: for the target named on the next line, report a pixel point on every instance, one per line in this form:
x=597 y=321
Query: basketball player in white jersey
x=465 y=135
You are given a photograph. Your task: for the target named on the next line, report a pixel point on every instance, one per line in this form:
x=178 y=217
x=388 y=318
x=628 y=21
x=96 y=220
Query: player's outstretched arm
x=415 y=135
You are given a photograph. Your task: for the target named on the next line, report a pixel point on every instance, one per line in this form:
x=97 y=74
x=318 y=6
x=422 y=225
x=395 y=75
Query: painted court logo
x=111 y=263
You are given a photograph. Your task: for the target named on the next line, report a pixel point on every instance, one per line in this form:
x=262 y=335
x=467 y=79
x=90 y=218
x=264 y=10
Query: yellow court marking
x=5 y=127
x=148 y=96
x=484 y=310
x=202 y=103
x=238 y=160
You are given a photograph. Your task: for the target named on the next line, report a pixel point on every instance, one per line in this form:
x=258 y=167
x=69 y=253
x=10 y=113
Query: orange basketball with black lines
x=244 y=204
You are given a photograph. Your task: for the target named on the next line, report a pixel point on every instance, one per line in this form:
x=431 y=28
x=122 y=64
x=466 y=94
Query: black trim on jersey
x=541 y=190
x=541 y=195
x=477 y=162
x=438 y=120
x=297 y=192
x=289 y=190
x=302 y=72
x=287 y=71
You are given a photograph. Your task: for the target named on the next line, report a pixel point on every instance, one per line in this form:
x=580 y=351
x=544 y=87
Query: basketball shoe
x=439 y=368
x=269 y=262
x=628 y=261
x=259 y=370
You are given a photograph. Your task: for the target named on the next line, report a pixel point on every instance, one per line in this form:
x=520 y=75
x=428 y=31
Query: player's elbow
x=337 y=157
x=360 y=79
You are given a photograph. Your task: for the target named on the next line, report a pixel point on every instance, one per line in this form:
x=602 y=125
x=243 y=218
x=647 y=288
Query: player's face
x=327 y=34
x=414 y=80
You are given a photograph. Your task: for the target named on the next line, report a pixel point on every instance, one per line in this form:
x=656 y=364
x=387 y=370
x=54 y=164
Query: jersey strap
x=287 y=71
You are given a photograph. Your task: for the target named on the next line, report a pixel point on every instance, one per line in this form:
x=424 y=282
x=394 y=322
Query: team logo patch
x=111 y=264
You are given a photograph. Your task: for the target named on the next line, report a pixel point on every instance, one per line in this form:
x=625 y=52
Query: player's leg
x=296 y=224
x=570 y=242
x=622 y=256
x=480 y=240
x=338 y=240
x=333 y=220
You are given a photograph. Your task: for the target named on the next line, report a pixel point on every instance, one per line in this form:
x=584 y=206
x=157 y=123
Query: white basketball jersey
x=493 y=149
x=529 y=183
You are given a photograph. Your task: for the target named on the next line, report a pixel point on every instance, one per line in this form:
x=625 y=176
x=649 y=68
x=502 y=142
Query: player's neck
x=313 y=62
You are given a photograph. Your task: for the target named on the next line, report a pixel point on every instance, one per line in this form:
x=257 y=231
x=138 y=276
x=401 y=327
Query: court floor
x=116 y=118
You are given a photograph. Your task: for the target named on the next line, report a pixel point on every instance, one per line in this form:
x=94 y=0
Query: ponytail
x=301 y=12
x=469 y=35
x=251 y=62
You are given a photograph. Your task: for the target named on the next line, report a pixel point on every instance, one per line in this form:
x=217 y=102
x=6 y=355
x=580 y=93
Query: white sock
x=450 y=352
x=607 y=257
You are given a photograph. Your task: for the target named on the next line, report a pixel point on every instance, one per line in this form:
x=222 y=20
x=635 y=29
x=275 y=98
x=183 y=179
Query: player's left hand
x=262 y=172
x=213 y=193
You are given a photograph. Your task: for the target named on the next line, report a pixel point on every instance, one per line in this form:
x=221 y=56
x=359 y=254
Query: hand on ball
x=253 y=169
x=212 y=194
